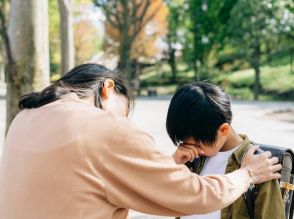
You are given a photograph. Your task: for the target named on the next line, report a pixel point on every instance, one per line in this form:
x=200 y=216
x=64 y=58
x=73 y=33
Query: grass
x=277 y=80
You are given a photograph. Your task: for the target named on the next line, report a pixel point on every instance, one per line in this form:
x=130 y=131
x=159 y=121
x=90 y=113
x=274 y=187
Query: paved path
x=253 y=118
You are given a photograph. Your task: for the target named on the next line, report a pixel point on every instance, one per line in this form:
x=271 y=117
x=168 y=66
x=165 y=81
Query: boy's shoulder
x=242 y=149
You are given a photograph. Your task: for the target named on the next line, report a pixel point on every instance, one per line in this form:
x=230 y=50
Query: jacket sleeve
x=269 y=202
x=137 y=176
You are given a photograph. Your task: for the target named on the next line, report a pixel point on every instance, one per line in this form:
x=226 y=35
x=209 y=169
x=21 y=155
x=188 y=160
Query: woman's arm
x=138 y=176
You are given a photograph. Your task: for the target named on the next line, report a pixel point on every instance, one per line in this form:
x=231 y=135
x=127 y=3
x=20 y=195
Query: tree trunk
x=14 y=92
x=124 y=58
x=257 y=82
x=28 y=69
x=67 y=36
x=255 y=63
x=291 y=59
x=172 y=63
x=126 y=40
x=137 y=84
x=195 y=55
x=195 y=69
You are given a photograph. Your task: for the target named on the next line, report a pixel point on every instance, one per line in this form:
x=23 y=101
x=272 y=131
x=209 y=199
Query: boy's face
x=211 y=149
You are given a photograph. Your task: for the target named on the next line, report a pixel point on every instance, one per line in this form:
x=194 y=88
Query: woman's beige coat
x=70 y=160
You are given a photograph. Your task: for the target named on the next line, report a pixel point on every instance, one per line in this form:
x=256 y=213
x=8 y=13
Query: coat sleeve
x=269 y=202
x=137 y=176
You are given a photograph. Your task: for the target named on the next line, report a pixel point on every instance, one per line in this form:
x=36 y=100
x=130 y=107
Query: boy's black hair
x=198 y=110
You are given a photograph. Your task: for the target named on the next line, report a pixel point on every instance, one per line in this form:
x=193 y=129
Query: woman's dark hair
x=197 y=111
x=85 y=80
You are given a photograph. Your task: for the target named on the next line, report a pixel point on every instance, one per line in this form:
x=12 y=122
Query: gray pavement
x=256 y=119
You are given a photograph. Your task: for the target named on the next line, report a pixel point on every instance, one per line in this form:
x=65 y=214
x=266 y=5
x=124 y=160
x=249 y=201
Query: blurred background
x=245 y=46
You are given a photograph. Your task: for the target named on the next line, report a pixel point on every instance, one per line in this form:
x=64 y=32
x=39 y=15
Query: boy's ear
x=224 y=129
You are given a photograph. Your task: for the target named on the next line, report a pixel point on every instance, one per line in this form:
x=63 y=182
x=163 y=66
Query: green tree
x=287 y=29
x=175 y=27
x=254 y=25
x=54 y=38
x=207 y=25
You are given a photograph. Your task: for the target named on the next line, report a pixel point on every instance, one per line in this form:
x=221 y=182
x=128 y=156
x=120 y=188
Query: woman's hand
x=186 y=152
x=263 y=167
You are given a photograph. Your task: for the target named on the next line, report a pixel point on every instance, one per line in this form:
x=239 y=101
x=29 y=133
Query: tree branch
x=113 y=18
x=143 y=22
x=140 y=17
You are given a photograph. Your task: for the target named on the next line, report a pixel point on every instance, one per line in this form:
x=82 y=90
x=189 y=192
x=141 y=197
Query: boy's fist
x=186 y=152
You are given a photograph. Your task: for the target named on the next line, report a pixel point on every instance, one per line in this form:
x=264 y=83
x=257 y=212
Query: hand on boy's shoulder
x=262 y=167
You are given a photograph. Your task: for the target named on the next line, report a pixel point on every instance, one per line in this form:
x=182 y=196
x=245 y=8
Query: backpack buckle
x=288 y=187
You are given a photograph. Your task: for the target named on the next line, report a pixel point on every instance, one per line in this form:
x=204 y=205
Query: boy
x=200 y=115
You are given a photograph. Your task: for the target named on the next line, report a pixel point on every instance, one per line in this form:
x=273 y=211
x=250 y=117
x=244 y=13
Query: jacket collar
x=240 y=152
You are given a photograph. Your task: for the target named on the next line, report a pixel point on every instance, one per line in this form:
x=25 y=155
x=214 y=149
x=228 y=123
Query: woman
x=72 y=153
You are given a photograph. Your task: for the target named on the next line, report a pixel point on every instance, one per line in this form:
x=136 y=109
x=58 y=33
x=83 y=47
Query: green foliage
x=207 y=25
x=254 y=24
x=82 y=1
x=216 y=38
x=277 y=81
x=54 y=38
x=176 y=20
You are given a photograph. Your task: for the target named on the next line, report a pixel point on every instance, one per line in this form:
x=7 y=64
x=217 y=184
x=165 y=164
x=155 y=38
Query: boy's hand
x=186 y=152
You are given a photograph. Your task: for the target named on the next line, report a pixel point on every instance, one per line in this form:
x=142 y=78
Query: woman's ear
x=224 y=129
x=108 y=86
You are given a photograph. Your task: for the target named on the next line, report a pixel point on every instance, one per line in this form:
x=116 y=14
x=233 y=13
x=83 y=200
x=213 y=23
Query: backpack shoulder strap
x=194 y=165
x=249 y=198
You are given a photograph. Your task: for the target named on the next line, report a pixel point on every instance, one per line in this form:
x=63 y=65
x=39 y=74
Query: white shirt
x=213 y=165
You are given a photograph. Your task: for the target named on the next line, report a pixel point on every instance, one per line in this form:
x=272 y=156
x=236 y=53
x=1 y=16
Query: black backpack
x=286 y=157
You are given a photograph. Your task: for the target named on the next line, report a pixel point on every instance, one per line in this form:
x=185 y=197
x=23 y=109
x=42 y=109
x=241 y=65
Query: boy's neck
x=233 y=141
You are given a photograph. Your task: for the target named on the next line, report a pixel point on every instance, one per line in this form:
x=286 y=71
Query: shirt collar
x=242 y=149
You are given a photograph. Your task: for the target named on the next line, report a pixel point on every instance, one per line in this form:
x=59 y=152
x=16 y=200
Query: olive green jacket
x=268 y=202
